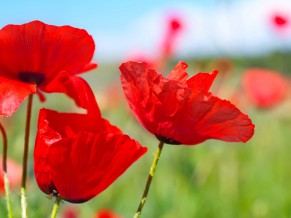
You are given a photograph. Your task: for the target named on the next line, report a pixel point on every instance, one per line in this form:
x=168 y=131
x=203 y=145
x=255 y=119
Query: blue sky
x=106 y=15
x=123 y=28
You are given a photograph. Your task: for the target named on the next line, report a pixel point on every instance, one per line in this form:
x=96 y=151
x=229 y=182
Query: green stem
x=25 y=155
x=4 y=163
x=23 y=202
x=7 y=194
x=56 y=207
x=149 y=180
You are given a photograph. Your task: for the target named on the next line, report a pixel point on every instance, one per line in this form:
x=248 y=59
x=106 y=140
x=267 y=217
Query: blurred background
x=249 y=42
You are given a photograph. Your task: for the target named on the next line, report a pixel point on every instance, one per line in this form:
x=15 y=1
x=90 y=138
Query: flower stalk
x=4 y=165
x=149 y=180
x=25 y=155
x=56 y=207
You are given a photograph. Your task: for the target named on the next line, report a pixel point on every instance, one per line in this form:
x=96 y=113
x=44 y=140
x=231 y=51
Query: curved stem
x=6 y=180
x=56 y=207
x=149 y=180
x=25 y=154
x=5 y=147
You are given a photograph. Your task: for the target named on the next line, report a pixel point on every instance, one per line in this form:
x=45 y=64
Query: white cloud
x=241 y=27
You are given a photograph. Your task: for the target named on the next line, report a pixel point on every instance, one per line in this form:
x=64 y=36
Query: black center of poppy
x=31 y=77
x=167 y=140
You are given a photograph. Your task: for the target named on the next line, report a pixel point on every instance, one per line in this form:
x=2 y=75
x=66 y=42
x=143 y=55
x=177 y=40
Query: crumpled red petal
x=179 y=72
x=224 y=121
x=181 y=110
x=202 y=81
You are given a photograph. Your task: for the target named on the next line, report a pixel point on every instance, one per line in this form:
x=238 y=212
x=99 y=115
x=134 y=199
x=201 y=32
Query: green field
x=214 y=179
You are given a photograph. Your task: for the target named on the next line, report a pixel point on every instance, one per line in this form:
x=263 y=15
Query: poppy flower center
x=52 y=190
x=167 y=140
x=31 y=77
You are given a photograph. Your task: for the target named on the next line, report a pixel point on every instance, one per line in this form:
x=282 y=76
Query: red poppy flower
x=32 y=55
x=264 y=88
x=14 y=173
x=77 y=156
x=178 y=110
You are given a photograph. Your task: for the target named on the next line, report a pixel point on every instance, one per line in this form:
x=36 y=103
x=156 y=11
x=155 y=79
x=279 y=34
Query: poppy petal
x=75 y=87
x=46 y=49
x=89 y=67
x=179 y=72
x=202 y=81
x=13 y=93
x=78 y=157
x=180 y=111
x=224 y=121
x=104 y=164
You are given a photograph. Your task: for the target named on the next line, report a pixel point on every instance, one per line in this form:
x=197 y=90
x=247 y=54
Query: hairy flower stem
x=25 y=154
x=149 y=180
x=56 y=207
x=4 y=166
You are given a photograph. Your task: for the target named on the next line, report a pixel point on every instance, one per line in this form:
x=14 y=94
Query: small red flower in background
x=280 y=20
x=32 y=55
x=14 y=172
x=106 y=213
x=264 y=88
x=174 y=27
x=77 y=156
x=178 y=110
x=70 y=212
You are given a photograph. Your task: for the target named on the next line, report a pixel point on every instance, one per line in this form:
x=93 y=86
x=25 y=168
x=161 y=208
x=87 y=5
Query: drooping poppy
x=34 y=54
x=77 y=156
x=264 y=88
x=178 y=110
x=14 y=172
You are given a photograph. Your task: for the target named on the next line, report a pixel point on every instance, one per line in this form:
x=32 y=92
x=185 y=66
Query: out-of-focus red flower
x=264 y=88
x=280 y=20
x=178 y=110
x=110 y=98
x=175 y=24
x=106 y=213
x=34 y=54
x=70 y=212
x=77 y=156
x=174 y=27
x=14 y=172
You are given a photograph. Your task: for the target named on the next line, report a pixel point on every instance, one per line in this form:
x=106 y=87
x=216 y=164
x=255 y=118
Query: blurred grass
x=213 y=179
